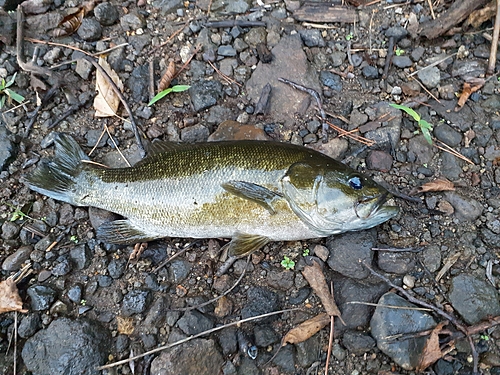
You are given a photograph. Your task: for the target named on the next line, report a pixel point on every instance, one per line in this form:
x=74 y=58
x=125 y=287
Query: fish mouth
x=372 y=206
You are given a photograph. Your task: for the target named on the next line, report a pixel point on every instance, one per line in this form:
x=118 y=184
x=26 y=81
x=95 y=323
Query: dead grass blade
x=351 y=134
x=467 y=90
x=444 y=147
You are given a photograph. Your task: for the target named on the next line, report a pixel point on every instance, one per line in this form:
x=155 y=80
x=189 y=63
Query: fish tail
x=59 y=178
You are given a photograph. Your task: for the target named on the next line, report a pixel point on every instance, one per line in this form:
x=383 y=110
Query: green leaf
x=11 y=81
x=2 y=101
x=426 y=130
x=408 y=110
x=180 y=88
x=14 y=95
x=161 y=94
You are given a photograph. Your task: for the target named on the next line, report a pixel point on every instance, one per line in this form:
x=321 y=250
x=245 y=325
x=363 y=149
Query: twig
x=224 y=77
x=432 y=9
x=392 y=249
x=196 y=50
x=178 y=31
x=427 y=91
x=388 y=306
x=218 y=297
x=494 y=43
x=116 y=146
x=118 y=93
x=388 y=58
x=232 y=23
x=350 y=134
x=446 y=148
x=316 y=96
x=349 y=53
x=433 y=64
x=69 y=112
x=332 y=334
x=151 y=86
x=168 y=346
x=166 y=261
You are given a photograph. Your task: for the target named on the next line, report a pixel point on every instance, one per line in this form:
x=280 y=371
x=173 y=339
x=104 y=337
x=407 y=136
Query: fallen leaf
x=9 y=297
x=125 y=325
x=306 y=330
x=432 y=351
x=69 y=24
x=107 y=101
x=468 y=89
x=440 y=184
x=315 y=278
x=167 y=77
x=478 y=17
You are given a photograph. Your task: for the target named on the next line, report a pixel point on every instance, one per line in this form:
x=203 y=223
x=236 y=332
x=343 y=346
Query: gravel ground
x=89 y=305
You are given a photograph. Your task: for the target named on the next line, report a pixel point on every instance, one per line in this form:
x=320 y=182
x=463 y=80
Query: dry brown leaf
x=167 y=77
x=72 y=22
x=125 y=325
x=107 y=101
x=306 y=330
x=478 y=17
x=9 y=297
x=432 y=351
x=315 y=278
x=440 y=184
x=467 y=90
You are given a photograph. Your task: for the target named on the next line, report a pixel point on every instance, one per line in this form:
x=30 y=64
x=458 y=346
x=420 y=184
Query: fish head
x=332 y=198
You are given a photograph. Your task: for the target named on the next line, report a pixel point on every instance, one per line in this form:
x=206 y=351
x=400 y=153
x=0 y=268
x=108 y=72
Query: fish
x=253 y=192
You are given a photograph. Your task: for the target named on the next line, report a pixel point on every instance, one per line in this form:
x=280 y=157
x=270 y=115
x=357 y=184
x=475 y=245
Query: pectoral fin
x=122 y=232
x=244 y=244
x=256 y=193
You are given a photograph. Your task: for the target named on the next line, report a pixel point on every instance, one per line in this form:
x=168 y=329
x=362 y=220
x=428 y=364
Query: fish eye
x=355 y=182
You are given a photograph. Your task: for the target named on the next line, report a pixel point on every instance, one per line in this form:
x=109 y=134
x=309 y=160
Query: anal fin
x=122 y=232
x=244 y=244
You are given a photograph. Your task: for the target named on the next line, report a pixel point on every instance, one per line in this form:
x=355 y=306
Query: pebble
x=330 y=80
x=445 y=133
x=379 y=161
x=259 y=301
x=106 y=13
x=75 y=294
x=178 y=271
x=80 y=256
x=29 y=325
x=358 y=343
x=82 y=340
x=84 y=68
x=62 y=268
x=312 y=38
x=473 y=299
x=90 y=30
x=15 y=261
x=194 y=322
x=402 y=62
x=285 y=359
x=135 y=302
x=337 y=58
x=417 y=53
x=205 y=94
x=349 y=250
x=306 y=351
x=228 y=341
x=116 y=267
x=138 y=83
x=7 y=148
x=370 y=72
x=281 y=280
x=466 y=208
x=41 y=297
x=468 y=68
x=430 y=77
x=388 y=322
x=132 y=21
x=10 y=230
x=397 y=32
x=395 y=262
x=226 y=51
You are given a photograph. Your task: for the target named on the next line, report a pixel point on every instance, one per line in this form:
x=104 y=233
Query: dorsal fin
x=157 y=147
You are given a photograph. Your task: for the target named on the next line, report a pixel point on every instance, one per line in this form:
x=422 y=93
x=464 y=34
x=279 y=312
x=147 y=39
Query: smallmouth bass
x=250 y=191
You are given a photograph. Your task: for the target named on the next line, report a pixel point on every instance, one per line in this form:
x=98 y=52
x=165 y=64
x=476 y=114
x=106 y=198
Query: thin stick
x=178 y=31
x=494 y=43
x=388 y=306
x=15 y=342
x=97 y=143
x=196 y=50
x=316 y=96
x=450 y=150
x=116 y=146
x=151 y=86
x=431 y=65
x=432 y=9
x=218 y=297
x=332 y=334
x=427 y=91
x=182 y=251
x=168 y=346
x=117 y=91
x=224 y=77
x=407 y=249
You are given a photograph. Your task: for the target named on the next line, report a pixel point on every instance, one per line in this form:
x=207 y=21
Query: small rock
x=312 y=38
x=237 y=7
x=198 y=356
x=334 y=148
x=178 y=271
x=194 y=322
x=417 y=53
x=62 y=268
x=83 y=68
x=138 y=83
x=66 y=214
x=389 y=322
x=280 y=280
x=80 y=256
x=205 y=94
x=84 y=341
x=337 y=58
x=29 y=325
x=397 y=32
x=90 y=30
x=226 y=51
x=379 y=161
x=194 y=134
x=132 y=21
x=468 y=68
x=393 y=262
x=135 y=302
x=285 y=359
x=473 y=299
x=259 y=301
x=41 y=297
x=265 y=336
x=75 y=294
x=106 y=13
x=429 y=77
x=116 y=267
x=358 y=342
x=402 y=62
x=228 y=341
x=10 y=230
x=321 y=252
x=431 y=258
x=370 y=72
x=349 y=250
x=15 y=261
x=445 y=133
x=305 y=351
x=234 y=131
x=7 y=147
x=466 y=208
x=330 y=80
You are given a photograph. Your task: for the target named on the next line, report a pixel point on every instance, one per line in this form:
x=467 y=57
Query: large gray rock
x=7 y=147
x=474 y=299
x=289 y=62
x=387 y=321
x=67 y=347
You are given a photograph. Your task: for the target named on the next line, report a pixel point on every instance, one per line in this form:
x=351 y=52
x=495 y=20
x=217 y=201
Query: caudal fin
x=58 y=178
